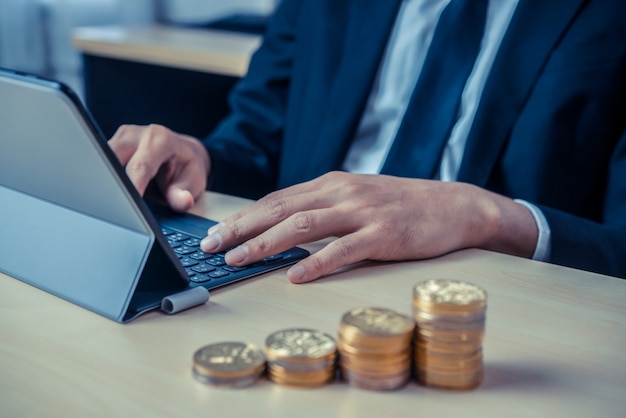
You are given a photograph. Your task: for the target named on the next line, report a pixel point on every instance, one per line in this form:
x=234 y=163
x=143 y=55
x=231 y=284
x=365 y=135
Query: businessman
x=378 y=123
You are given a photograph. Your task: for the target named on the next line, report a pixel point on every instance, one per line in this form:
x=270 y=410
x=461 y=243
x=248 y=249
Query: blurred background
x=35 y=35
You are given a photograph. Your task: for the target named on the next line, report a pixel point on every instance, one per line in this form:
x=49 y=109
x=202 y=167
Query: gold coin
x=315 y=374
x=447 y=351
x=450 y=317
x=351 y=336
x=454 y=382
x=366 y=356
x=231 y=382
x=450 y=337
x=461 y=318
x=376 y=321
x=444 y=324
x=376 y=369
x=392 y=350
x=278 y=368
x=297 y=382
x=448 y=311
x=450 y=374
x=300 y=345
x=448 y=348
x=283 y=376
x=448 y=366
x=449 y=296
x=373 y=382
x=384 y=358
x=323 y=364
x=228 y=360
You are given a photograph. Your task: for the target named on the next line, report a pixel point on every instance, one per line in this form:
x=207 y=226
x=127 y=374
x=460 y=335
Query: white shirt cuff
x=542 y=248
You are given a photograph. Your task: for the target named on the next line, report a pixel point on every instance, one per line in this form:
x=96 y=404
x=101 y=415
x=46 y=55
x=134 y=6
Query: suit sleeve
x=595 y=246
x=245 y=148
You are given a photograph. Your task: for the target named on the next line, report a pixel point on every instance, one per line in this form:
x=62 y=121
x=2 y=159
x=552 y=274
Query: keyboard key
x=234 y=269
x=217 y=260
x=184 y=250
x=192 y=242
x=200 y=278
x=203 y=268
x=200 y=255
x=176 y=237
x=218 y=273
x=188 y=261
x=267 y=260
x=274 y=257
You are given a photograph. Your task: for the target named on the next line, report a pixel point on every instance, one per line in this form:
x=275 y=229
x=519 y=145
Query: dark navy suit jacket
x=550 y=127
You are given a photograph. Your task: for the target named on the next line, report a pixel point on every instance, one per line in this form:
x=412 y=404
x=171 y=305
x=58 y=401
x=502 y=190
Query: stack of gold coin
x=228 y=364
x=375 y=348
x=301 y=357
x=450 y=318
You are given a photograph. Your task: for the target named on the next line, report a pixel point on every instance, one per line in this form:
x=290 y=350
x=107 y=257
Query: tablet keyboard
x=203 y=268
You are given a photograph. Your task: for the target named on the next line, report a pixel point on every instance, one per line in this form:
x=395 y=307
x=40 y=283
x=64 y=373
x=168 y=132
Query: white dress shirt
x=396 y=78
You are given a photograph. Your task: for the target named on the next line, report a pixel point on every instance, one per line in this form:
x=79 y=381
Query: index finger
x=278 y=205
x=152 y=151
x=124 y=142
x=266 y=213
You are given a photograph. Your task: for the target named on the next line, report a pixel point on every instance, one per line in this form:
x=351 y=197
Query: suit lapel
x=533 y=33
x=369 y=26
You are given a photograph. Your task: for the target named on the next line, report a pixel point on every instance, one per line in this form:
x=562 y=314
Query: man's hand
x=179 y=163
x=375 y=217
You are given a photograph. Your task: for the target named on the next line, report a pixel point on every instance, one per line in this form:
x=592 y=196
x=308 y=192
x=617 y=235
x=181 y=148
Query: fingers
x=303 y=213
x=122 y=143
x=182 y=183
x=288 y=219
x=179 y=199
x=142 y=151
x=153 y=150
x=278 y=221
x=276 y=207
x=299 y=228
x=179 y=162
x=346 y=250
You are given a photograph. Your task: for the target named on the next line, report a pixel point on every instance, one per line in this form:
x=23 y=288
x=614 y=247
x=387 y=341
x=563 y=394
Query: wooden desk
x=158 y=74
x=210 y=51
x=554 y=345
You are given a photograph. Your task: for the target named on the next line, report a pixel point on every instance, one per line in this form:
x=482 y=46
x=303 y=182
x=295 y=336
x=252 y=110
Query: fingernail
x=296 y=274
x=211 y=243
x=237 y=255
